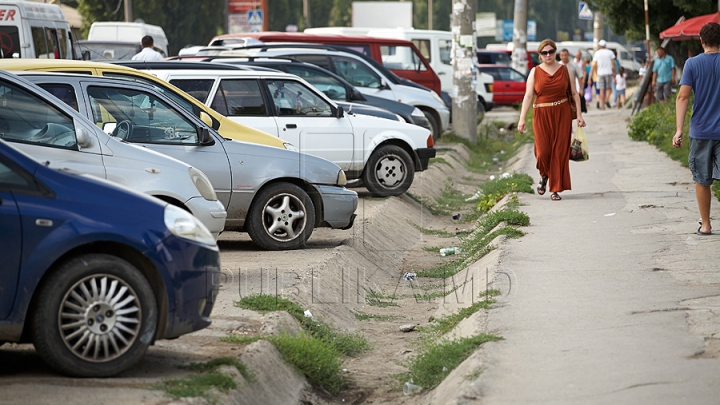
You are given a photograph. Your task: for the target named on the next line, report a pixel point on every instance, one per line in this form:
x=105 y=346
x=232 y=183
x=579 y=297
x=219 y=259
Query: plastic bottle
x=450 y=251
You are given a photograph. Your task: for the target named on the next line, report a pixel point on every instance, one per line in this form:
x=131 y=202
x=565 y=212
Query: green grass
x=198 y=385
x=440 y=160
x=445 y=324
x=213 y=364
x=350 y=344
x=436 y=232
x=436 y=360
x=477 y=244
x=362 y=316
x=379 y=299
x=319 y=362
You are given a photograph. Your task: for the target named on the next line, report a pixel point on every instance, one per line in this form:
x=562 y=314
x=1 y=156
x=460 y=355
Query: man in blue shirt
x=663 y=75
x=702 y=76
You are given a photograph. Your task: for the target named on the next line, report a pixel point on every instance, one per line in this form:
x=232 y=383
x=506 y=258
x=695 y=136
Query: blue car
x=92 y=273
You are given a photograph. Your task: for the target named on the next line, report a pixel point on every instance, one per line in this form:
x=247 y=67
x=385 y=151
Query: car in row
x=278 y=196
x=93 y=272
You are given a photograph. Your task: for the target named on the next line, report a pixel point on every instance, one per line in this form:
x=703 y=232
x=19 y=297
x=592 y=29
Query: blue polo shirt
x=663 y=68
x=702 y=74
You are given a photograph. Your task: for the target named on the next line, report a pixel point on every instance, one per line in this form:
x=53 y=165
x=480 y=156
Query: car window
x=198 y=88
x=184 y=103
x=423 y=45
x=12 y=178
x=515 y=76
x=137 y=116
x=492 y=72
x=239 y=97
x=27 y=118
x=294 y=98
x=10 y=42
x=321 y=81
x=64 y=92
x=503 y=59
x=445 y=46
x=401 y=58
x=357 y=73
x=317 y=60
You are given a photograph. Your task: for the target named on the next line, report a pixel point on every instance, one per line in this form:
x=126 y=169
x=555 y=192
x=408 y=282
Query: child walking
x=620 y=85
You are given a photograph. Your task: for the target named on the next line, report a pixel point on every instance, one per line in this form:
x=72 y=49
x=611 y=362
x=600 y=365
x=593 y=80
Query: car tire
x=94 y=317
x=480 y=110
x=389 y=171
x=282 y=217
x=434 y=124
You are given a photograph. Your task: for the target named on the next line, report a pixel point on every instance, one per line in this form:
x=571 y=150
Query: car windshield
x=109 y=51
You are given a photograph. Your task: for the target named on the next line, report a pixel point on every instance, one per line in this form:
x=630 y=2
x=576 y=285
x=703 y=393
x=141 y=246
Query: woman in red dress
x=547 y=84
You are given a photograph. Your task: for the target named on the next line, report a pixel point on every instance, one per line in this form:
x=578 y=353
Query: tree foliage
x=184 y=22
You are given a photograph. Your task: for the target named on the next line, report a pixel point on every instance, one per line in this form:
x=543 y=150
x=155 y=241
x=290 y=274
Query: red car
x=509 y=85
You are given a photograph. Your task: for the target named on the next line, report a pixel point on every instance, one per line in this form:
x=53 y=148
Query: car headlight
x=417 y=112
x=437 y=98
x=400 y=118
x=341 y=179
x=184 y=225
x=290 y=146
x=202 y=183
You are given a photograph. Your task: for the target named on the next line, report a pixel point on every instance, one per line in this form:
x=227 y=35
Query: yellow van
x=226 y=127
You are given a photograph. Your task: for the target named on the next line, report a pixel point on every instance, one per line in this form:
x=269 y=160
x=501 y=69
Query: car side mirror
x=204 y=137
x=356 y=95
x=339 y=112
x=205 y=118
x=83 y=138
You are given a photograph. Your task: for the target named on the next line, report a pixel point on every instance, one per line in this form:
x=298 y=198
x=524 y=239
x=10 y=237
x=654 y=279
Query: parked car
x=356 y=107
x=384 y=154
x=224 y=126
x=334 y=86
x=509 y=87
x=278 y=196
x=92 y=272
x=56 y=134
x=369 y=76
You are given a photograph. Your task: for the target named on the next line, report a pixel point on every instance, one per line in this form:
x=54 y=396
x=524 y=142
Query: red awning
x=688 y=29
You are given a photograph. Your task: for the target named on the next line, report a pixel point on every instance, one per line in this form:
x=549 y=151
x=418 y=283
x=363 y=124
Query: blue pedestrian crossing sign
x=255 y=18
x=584 y=12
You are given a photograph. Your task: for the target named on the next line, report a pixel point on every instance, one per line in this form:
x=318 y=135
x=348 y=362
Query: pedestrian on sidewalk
x=577 y=74
x=620 y=86
x=546 y=90
x=148 y=52
x=604 y=66
x=702 y=76
x=663 y=77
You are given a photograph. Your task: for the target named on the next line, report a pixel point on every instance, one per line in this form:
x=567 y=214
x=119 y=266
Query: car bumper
x=444 y=118
x=424 y=155
x=191 y=279
x=211 y=213
x=339 y=205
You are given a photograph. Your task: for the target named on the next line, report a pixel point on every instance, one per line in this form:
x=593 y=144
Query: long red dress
x=553 y=128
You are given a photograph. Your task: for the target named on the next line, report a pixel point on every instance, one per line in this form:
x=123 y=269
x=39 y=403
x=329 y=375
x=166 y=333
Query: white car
x=383 y=154
x=58 y=136
x=369 y=76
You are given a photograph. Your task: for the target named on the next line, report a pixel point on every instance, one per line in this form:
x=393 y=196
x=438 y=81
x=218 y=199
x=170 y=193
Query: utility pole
x=128 y=11
x=464 y=107
x=597 y=29
x=519 y=55
x=306 y=13
x=430 y=14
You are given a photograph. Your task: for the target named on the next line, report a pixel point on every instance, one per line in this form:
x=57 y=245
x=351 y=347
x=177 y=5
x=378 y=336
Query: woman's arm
x=527 y=100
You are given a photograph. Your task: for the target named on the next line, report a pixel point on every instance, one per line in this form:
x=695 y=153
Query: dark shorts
x=663 y=90
x=704 y=161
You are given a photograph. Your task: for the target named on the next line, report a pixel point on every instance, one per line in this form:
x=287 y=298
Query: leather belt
x=554 y=103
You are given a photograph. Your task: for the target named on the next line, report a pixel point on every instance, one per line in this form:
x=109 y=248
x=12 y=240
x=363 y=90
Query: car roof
x=226 y=73
x=290 y=36
x=141 y=64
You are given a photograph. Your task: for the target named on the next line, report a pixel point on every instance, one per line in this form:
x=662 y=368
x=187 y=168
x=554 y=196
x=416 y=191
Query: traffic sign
x=255 y=17
x=584 y=12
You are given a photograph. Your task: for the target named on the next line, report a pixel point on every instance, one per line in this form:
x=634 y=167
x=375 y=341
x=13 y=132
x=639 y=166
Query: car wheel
x=94 y=317
x=389 y=171
x=282 y=217
x=480 y=110
x=434 y=124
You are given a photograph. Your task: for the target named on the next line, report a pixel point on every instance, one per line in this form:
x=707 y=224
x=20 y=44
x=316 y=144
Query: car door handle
x=291 y=126
x=441 y=73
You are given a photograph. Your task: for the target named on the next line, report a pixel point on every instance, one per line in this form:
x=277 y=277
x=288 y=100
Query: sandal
x=555 y=197
x=541 y=186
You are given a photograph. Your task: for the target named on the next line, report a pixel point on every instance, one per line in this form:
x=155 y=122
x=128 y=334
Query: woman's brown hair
x=545 y=43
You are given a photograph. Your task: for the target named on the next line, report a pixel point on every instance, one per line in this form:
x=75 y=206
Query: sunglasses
x=546 y=53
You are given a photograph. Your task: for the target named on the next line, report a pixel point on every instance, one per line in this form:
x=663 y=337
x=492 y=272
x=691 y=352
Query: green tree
x=184 y=22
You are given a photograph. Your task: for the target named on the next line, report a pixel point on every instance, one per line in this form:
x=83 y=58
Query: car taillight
x=488 y=87
x=430 y=141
